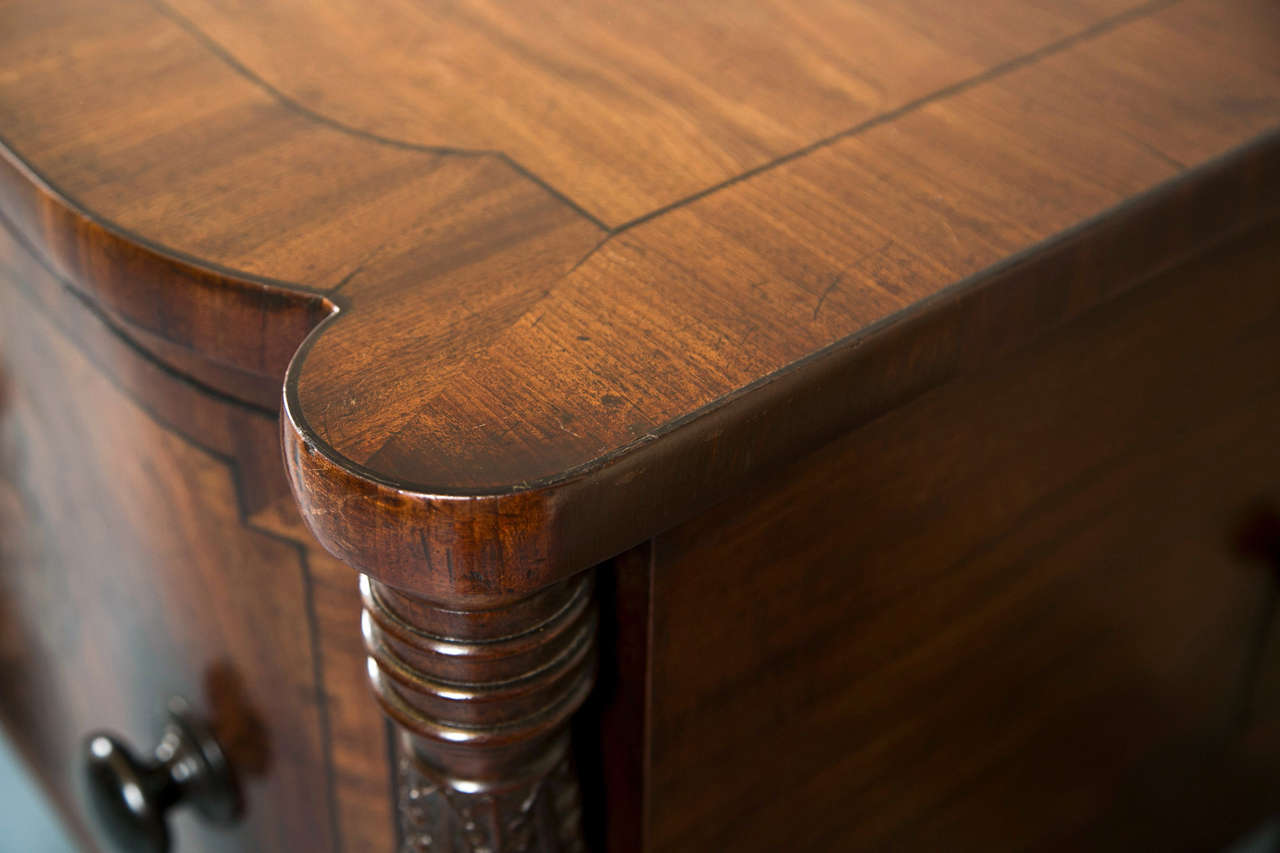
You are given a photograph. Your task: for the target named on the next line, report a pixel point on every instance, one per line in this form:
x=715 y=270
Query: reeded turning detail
x=482 y=700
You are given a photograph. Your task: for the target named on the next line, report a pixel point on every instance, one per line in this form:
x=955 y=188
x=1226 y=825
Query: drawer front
x=137 y=563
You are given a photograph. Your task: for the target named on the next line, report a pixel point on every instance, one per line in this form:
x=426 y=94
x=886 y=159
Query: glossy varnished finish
x=668 y=321
x=150 y=549
x=129 y=577
x=1035 y=629
x=525 y=351
x=482 y=699
x=626 y=107
x=536 y=288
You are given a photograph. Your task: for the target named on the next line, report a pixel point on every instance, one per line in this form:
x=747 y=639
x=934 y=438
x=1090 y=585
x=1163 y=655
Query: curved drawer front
x=136 y=565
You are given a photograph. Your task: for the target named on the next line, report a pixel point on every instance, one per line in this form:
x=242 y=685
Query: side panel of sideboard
x=141 y=555
x=1010 y=613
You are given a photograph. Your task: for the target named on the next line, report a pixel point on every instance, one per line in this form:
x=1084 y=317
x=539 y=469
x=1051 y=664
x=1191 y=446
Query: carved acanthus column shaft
x=482 y=701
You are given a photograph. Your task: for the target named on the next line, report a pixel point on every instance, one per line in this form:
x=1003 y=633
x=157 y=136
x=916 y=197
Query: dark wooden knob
x=131 y=797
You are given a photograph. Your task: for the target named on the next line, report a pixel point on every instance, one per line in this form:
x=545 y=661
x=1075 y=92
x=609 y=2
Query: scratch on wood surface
x=835 y=282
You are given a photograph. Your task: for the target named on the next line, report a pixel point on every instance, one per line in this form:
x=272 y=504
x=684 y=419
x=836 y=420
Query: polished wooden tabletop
x=856 y=400
x=563 y=269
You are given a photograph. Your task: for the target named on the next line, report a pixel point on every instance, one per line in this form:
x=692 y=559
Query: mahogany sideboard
x=558 y=426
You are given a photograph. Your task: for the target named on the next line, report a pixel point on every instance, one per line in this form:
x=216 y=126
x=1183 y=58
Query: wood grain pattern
x=128 y=577
x=361 y=756
x=101 y=440
x=1033 y=631
x=670 y=317
x=518 y=357
x=540 y=286
x=625 y=107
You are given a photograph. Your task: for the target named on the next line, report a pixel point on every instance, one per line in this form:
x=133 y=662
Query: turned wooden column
x=481 y=637
x=481 y=700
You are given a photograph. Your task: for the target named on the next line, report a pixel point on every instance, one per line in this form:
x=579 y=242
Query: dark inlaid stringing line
x=1264 y=147
x=996 y=71
x=1020 y=257
x=72 y=204
x=233 y=469
x=393 y=765
x=287 y=101
x=160 y=420
x=1093 y=30
x=321 y=696
x=124 y=337
x=176 y=254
